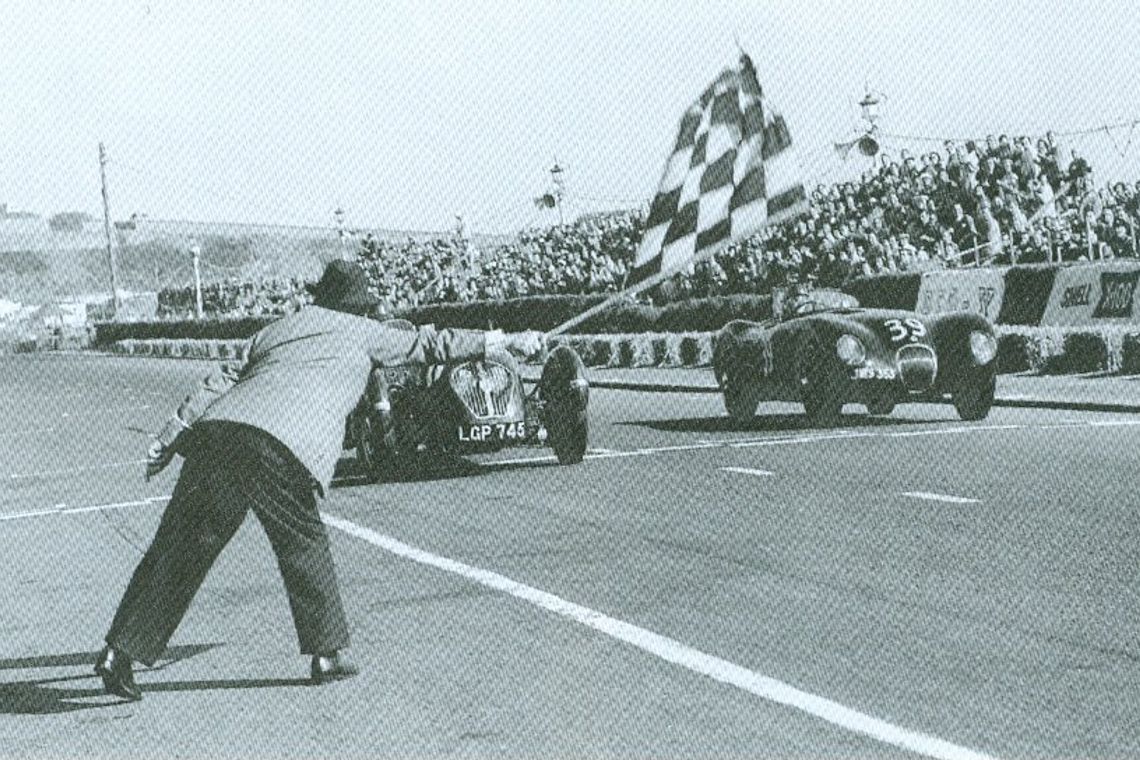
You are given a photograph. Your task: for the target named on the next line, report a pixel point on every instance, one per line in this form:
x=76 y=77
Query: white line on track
x=73 y=470
x=737 y=443
x=842 y=435
x=63 y=509
x=106 y=410
x=22 y=433
x=747 y=471
x=674 y=651
x=939 y=497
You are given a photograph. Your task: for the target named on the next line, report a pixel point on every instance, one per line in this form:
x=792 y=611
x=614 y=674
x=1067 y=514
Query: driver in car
x=798 y=301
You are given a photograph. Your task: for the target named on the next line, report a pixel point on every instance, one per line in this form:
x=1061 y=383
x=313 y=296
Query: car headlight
x=850 y=350
x=983 y=347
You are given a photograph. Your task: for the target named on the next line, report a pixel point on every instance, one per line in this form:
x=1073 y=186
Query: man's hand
x=525 y=344
x=157 y=458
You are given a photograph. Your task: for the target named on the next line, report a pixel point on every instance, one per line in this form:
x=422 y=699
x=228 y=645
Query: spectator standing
x=988 y=230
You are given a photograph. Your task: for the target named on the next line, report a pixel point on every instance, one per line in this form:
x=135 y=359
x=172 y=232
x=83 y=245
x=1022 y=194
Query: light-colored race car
x=824 y=351
x=468 y=407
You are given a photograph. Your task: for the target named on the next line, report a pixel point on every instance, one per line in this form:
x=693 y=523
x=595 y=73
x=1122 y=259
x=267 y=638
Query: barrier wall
x=1100 y=293
x=1020 y=349
x=977 y=290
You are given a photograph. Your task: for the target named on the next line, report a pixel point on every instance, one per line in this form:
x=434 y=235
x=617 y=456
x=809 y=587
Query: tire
x=975 y=396
x=373 y=450
x=568 y=431
x=819 y=387
x=741 y=398
x=565 y=394
x=880 y=407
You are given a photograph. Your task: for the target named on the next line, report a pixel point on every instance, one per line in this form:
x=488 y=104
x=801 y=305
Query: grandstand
x=998 y=201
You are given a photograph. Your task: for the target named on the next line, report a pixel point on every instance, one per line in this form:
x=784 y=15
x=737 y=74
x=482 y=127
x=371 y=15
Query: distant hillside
x=38 y=263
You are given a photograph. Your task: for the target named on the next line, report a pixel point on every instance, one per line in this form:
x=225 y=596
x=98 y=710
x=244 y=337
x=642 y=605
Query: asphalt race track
x=909 y=586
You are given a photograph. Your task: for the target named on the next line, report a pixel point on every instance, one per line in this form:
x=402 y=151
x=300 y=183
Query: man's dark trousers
x=229 y=470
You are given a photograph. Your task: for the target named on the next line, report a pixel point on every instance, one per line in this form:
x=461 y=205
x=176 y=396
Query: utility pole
x=115 y=302
x=196 y=260
x=557 y=175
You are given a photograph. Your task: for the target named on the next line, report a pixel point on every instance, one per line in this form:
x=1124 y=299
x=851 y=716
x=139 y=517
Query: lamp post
x=556 y=175
x=196 y=258
x=338 y=215
x=869 y=106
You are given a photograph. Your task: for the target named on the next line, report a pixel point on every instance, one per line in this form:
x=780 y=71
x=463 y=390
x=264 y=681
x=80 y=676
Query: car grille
x=484 y=388
x=917 y=367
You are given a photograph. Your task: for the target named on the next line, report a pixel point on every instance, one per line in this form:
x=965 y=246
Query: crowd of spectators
x=592 y=255
x=997 y=201
x=236 y=298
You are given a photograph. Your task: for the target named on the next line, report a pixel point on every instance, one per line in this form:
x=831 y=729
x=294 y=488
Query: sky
x=408 y=112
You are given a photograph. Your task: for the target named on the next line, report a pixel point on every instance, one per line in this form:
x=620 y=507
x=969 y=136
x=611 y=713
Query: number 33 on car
x=828 y=352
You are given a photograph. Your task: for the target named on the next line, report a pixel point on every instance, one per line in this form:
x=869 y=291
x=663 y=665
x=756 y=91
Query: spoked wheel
x=975 y=396
x=741 y=397
x=820 y=389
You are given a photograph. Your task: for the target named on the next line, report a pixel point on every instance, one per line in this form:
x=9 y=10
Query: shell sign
x=1099 y=293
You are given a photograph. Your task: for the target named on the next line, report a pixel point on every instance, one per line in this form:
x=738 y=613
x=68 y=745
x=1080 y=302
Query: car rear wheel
x=568 y=431
x=741 y=397
x=975 y=397
x=565 y=395
x=373 y=450
x=820 y=390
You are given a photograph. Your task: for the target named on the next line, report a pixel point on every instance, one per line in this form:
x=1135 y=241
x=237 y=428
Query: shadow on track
x=72 y=659
x=774 y=423
x=425 y=468
x=40 y=697
x=419 y=468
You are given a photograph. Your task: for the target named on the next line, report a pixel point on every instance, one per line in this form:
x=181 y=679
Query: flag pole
x=633 y=290
x=699 y=257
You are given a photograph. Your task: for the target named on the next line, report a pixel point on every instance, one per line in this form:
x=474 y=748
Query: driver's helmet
x=797 y=299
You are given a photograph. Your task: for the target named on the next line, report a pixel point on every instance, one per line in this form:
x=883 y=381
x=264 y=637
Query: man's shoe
x=115 y=669
x=331 y=667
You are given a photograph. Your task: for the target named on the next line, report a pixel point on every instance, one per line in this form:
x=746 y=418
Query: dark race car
x=824 y=351
x=468 y=407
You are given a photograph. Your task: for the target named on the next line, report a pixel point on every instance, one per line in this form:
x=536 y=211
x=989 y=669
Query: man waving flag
x=731 y=172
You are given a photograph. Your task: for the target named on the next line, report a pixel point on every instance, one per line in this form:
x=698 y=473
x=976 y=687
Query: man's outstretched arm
x=396 y=347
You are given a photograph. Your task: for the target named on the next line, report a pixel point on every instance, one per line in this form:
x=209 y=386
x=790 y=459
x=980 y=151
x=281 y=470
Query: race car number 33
x=499 y=431
x=902 y=330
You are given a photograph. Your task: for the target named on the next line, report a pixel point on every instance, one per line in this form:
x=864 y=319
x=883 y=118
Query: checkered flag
x=731 y=172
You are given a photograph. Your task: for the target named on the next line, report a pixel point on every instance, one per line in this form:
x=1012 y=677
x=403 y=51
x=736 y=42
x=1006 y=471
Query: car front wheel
x=880 y=407
x=974 y=397
x=741 y=397
x=820 y=390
